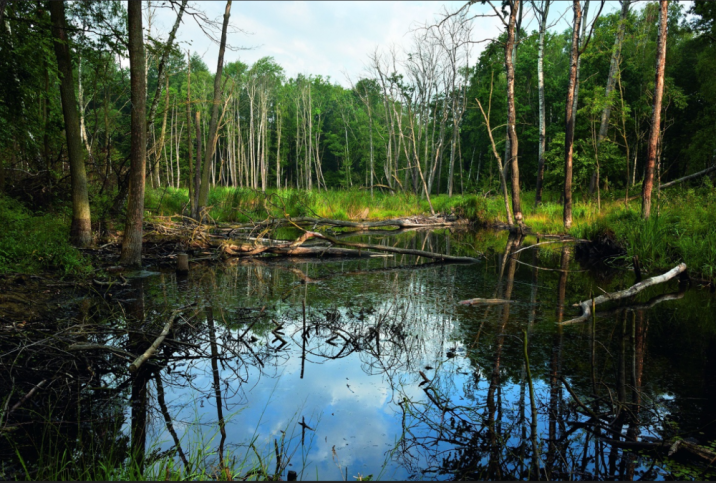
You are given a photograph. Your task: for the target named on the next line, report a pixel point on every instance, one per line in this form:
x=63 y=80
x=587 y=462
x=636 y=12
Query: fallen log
x=294 y=249
x=408 y=222
x=633 y=290
x=479 y=301
x=402 y=251
x=680 y=180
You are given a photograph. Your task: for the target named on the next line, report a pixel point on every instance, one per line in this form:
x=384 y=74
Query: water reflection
x=370 y=366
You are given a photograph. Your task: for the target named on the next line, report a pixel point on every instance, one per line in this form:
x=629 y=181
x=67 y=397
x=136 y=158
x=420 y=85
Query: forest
x=167 y=208
x=545 y=115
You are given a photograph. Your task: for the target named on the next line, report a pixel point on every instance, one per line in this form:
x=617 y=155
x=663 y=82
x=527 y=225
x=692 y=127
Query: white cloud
x=321 y=38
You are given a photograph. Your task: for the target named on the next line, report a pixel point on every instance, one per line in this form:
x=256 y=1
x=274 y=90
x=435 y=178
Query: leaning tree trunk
x=542 y=111
x=132 y=243
x=81 y=228
x=656 y=115
x=161 y=70
x=211 y=140
x=611 y=81
x=189 y=132
x=511 y=114
x=569 y=125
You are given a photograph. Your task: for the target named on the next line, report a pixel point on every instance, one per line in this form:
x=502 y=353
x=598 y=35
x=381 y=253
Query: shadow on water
x=343 y=368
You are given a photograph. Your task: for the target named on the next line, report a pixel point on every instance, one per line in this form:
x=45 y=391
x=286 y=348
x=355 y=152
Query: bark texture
x=656 y=114
x=213 y=122
x=511 y=113
x=132 y=243
x=542 y=110
x=81 y=228
x=569 y=123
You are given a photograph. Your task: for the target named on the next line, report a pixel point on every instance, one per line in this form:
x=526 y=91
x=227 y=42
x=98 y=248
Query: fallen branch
x=479 y=301
x=402 y=251
x=680 y=180
x=134 y=366
x=633 y=290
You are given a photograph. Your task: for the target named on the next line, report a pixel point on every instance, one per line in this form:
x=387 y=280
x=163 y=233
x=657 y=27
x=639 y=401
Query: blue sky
x=331 y=38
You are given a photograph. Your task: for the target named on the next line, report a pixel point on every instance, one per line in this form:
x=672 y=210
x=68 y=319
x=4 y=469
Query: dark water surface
x=384 y=373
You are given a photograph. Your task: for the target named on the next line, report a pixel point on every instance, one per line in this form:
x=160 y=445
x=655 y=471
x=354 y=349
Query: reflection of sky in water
x=352 y=402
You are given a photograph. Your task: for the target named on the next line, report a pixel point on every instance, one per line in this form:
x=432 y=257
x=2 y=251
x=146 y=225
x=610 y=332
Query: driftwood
x=479 y=301
x=633 y=290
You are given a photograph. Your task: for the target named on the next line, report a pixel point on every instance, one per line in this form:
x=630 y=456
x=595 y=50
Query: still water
x=346 y=368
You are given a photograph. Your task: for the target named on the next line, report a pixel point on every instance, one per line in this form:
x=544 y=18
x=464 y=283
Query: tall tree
x=81 y=228
x=569 y=123
x=511 y=113
x=542 y=12
x=656 y=114
x=611 y=82
x=132 y=243
x=211 y=140
x=576 y=52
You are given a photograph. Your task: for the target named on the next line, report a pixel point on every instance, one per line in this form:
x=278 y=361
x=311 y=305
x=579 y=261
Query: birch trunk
x=542 y=112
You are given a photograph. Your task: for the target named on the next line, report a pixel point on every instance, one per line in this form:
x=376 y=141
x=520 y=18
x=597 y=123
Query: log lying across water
x=480 y=301
x=407 y=222
x=358 y=249
x=633 y=290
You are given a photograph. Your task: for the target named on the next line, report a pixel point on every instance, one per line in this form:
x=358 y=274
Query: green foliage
x=36 y=242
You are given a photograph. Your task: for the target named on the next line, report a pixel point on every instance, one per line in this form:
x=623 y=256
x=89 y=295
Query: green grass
x=36 y=242
x=682 y=228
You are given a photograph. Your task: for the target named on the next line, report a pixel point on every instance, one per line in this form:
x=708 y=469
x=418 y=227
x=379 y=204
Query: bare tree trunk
x=278 y=147
x=542 y=114
x=511 y=113
x=569 y=128
x=611 y=81
x=211 y=141
x=197 y=168
x=160 y=147
x=160 y=68
x=656 y=114
x=189 y=129
x=582 y=37
x=81 y=228
x=132 y=242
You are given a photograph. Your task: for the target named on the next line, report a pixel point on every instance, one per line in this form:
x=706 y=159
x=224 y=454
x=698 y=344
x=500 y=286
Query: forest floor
x=683 y=227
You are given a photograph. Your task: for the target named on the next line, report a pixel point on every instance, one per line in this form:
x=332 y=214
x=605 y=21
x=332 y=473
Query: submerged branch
x=633 y=290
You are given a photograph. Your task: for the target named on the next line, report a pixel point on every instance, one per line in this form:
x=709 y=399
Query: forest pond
x=344 y=368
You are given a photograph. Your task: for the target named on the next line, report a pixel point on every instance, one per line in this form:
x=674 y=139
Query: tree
x=131 y=254
x=576 y=52
x=542 y=15
x=211 y=140
x=656 y=113
x=81 y=228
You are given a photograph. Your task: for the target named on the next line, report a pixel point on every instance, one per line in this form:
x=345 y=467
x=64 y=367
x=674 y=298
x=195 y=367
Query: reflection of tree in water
x=461 y=389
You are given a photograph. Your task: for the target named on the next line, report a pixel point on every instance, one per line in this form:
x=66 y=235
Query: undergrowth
x=35 y=242
x=673 y=234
